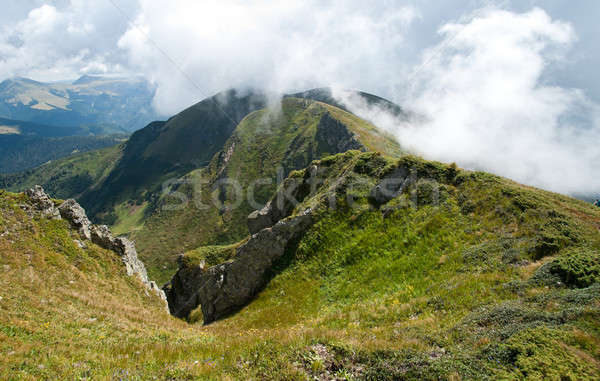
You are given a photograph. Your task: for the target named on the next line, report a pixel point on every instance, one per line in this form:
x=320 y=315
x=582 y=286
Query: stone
x=42 y=202
x=224 y=288
x=260 y=219
x=391 y=186
x=71 y=211
x=101 y=235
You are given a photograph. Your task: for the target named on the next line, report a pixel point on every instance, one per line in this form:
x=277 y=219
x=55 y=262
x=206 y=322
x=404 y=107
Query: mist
x=481 y=102
x=509 y=89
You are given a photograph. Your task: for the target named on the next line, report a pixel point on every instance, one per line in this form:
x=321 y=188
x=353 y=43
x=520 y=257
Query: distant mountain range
x=119 y=103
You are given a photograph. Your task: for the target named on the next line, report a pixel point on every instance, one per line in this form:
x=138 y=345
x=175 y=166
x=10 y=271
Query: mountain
x=326 y=95
x=234 y=135
x=117 y=103
x=24 y=145
x=70 y=176
x=299 y=242
x=447 y=274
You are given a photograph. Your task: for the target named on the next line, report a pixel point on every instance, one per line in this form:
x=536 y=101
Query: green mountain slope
x=231 y=135
x=267 y=144
x=455 y=275
x=165 y=150
x=459 y=275
x=24 y=145
x=67 y=177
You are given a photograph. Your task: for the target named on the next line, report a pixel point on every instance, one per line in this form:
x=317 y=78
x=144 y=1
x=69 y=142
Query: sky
x=505 y=86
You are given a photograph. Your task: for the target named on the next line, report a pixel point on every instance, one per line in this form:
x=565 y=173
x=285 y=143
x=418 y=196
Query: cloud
x=486 y=106
x=497 y=88
x=270 y=45
x=65 y=40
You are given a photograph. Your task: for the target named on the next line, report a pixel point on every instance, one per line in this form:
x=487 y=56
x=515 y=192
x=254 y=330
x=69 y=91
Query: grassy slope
x=168 y=150
x=21 y=153
x=455 y=290
x=262 y=142
x=424 y=293
x=67 y=177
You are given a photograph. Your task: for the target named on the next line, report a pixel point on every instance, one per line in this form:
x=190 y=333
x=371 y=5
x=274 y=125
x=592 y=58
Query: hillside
x=265 y=146
x=67 y=177
x=121 y=103
x=166 y=150
x=488 y=280
x=127 y=191
x=445 y=274
x=25 y=145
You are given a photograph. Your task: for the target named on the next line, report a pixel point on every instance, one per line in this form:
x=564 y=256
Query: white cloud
x=497 y=88
x=486 y=106
x=54 y=42
x=272 y=45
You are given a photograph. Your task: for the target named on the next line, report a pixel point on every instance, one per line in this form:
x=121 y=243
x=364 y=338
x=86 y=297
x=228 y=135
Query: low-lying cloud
x=209 y=46
x=485 y=105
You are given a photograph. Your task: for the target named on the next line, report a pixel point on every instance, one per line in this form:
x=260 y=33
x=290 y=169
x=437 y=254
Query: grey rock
x=260 y=219
x=101 y=235
x=291 y=192
x=225 y=288
x=42 y=202
x=390 y=186
x=71 y=211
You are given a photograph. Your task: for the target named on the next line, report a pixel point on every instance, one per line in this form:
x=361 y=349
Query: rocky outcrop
x=292 y=191
x=71 y=211
x=224 y=288
x=42 y=203
x=75 y=214
x=391 y=185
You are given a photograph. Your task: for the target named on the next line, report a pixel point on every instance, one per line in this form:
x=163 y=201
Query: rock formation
x=42 y=202
x=224 y=288
x=71 y=211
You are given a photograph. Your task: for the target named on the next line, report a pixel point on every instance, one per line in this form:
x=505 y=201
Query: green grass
x=130 y=217
x=68 y=177
x=264 y=141
x=448 y=291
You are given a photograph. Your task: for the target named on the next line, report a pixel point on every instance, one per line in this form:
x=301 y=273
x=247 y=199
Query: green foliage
x=547 y=354
x=210 y=255
x=578 y=267
x=407 y=291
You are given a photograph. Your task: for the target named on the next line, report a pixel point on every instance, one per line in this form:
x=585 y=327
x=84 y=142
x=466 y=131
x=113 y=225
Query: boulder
x=224 y=288
x=71 y=211
x=260 y=219
x=42 y=202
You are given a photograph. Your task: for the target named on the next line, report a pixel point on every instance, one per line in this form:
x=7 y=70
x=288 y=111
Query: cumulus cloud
x=487 y=107
x=270 y=45
x=64 y=40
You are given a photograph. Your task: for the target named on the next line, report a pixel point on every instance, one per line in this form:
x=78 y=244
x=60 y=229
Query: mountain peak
x=84 y=79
